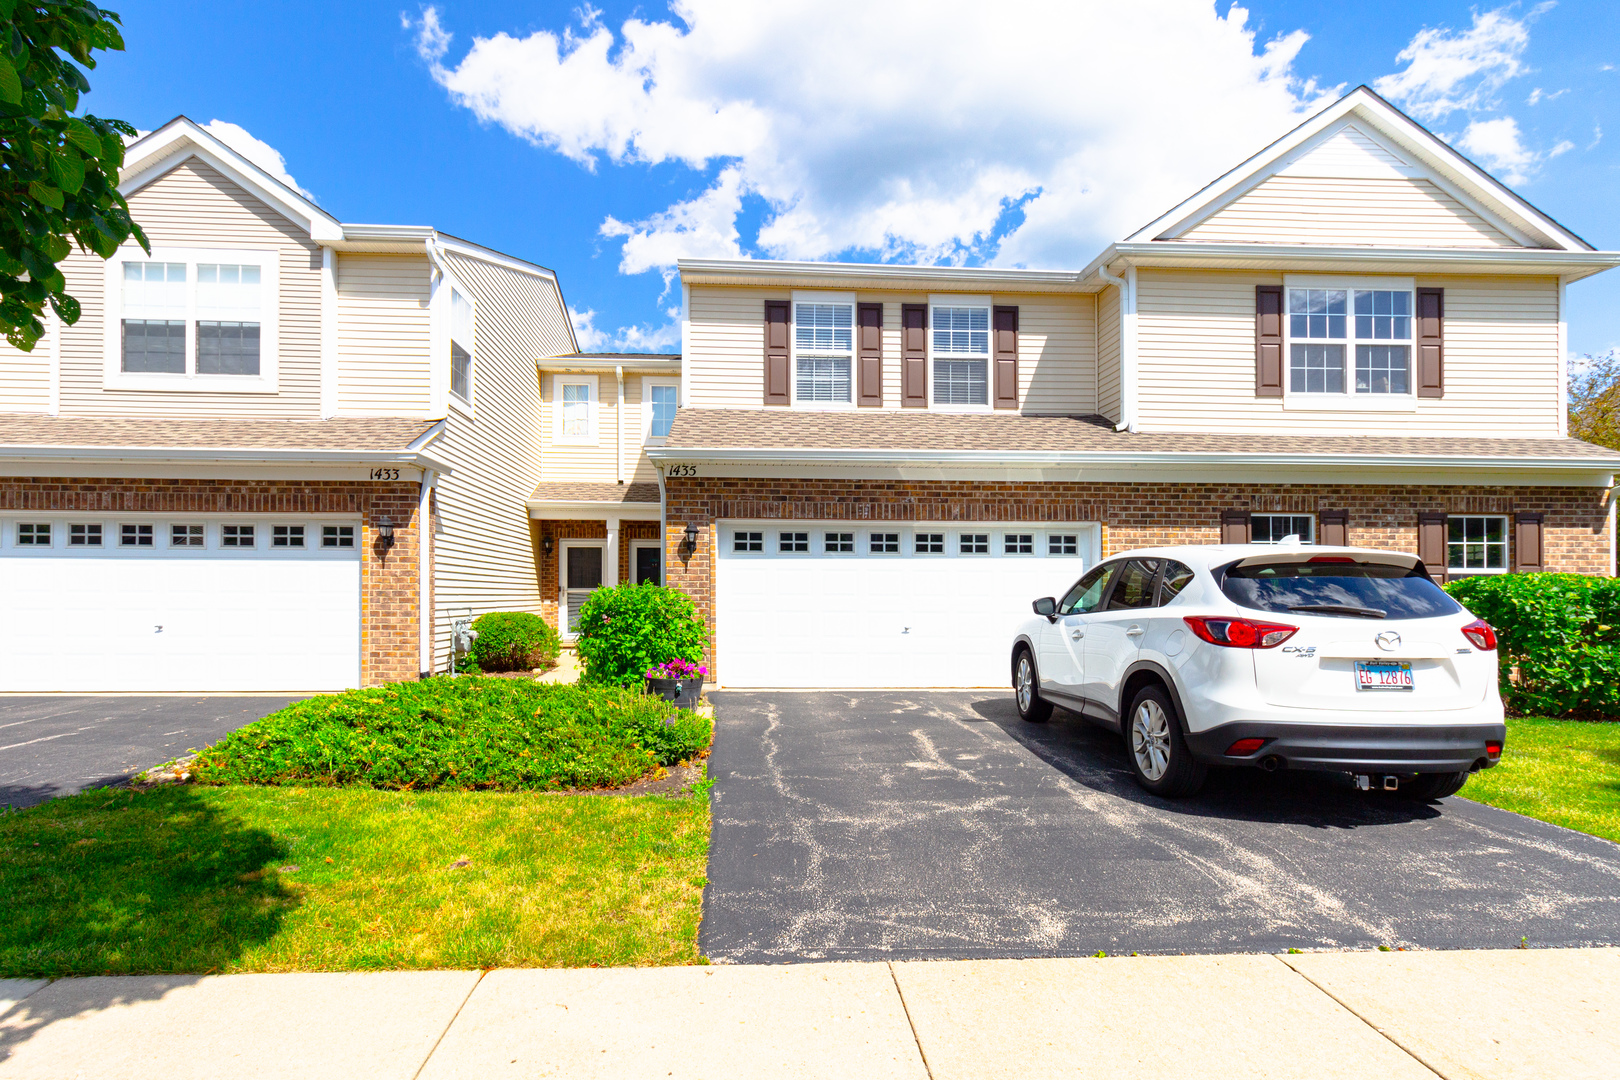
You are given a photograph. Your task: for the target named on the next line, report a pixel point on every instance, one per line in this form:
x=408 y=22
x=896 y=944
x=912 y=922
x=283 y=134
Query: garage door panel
x=861 y=619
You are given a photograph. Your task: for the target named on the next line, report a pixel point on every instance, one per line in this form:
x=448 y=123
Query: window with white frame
x=337 y=536
x=1476 y=543
x=461 y=345
x=287 y=536
x=34 y=535
x=1018 y=544
x=823 y=351
x=659 y=400
x=235 y=536
x=959 y=340
x=793 y=542
x=885 y=543
x=186 y=536
x=930 y=543
x=975 y=544
x=135 y=536
x=85 y=535
x=184 y=315
x=1352 y=341
x=840 y=543
x=748 y=541
x=1275 y=528
x=1062 y=544
x=576 y=408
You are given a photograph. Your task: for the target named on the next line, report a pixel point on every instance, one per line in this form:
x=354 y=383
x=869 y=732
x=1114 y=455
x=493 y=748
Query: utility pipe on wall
x=1127 y=344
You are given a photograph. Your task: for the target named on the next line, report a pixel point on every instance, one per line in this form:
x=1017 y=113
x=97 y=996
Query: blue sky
x=842 y=129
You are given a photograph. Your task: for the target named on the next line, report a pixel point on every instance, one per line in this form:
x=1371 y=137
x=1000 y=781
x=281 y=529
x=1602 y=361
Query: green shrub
x=1561 y=631
x=513 y=641
x=460 y=733
x=625 y=630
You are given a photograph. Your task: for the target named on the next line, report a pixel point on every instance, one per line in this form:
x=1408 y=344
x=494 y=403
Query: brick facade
x=1575 y=534
x=550 y=563
x=389 y=596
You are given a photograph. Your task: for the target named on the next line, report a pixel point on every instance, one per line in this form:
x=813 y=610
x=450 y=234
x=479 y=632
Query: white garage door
x=188 y=605
x=828 y=604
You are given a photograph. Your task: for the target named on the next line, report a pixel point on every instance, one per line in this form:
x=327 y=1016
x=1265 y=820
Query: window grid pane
x=227 y=348
x=185 y=536
x=748 y=541
x=840 y=543
x=975 y=544
x=961 y=382
x=1316 y=313
x=84 y=535
x=154 y=345
x=461 y=373
x=930 y=543
x=823 y=378
x=1065 y=544
x=337 y=536
x=663 y=410
x=824 y=328
x=1476 y=543
x=237 y=536
x=576 y=410
x=1018 y=544
x=885 y=543
x=1383 y=315
x=1316 y=369
x=793 y=541
x=1273 y=528
x=1381 y=369
x=135 y=536
x=287 y=536
x=34 y=535
x=962 y=330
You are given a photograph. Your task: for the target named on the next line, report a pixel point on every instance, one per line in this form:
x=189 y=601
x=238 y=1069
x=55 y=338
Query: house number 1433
x=385 y=474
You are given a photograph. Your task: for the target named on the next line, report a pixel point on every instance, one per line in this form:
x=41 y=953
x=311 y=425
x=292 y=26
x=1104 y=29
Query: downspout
x=618 y=426
x=1127 y=351
x=424 y=573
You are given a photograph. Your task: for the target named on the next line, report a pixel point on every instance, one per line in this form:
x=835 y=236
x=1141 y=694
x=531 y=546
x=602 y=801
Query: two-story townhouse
x=279 y=452
x=1355 y=336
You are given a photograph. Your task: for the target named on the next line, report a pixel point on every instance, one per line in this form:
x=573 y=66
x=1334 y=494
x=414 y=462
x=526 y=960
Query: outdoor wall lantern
x=545 y=545
x=691 y=539
x=385 y=532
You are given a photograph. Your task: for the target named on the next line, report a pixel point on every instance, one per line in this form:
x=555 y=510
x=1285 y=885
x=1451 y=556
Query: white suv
x=1275 y=656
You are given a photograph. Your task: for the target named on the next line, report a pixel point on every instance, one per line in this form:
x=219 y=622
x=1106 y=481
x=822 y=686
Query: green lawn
x=214 y=879
x=1563 y=771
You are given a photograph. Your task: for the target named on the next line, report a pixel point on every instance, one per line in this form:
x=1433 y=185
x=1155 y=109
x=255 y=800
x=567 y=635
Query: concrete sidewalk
x=1541 y=1013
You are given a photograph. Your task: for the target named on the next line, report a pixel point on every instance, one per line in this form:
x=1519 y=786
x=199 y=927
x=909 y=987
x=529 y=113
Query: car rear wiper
x=1342 y=609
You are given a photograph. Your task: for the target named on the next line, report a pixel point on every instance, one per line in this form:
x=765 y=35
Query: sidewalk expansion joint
x=1407 y=1050
x=913 y=1024
x=452 y=1023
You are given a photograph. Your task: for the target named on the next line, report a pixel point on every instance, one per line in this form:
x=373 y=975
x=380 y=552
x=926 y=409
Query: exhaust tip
x=1271 y=763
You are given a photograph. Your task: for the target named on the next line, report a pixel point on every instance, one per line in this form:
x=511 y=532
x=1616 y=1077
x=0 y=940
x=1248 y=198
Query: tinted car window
x=1088 y=591
x=1368 y=590
x=1176 y=578
x=1135 y=588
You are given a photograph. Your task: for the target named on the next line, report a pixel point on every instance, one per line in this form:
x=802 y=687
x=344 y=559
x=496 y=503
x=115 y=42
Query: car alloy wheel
x=1150 y=739
x=1025 y=684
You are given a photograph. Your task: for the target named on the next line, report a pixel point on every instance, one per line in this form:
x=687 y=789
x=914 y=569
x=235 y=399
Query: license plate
x=1383 y=675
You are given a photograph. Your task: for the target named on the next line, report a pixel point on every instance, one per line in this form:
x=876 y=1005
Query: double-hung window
x=1275 y=528
x=461 y=345
x=1476 y=543
x=575 y=418
x=823 y=350
x=1353 y=341
x=192 y=319
x=959 y=341
x=659 y=400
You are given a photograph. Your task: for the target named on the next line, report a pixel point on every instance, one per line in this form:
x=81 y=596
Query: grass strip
x=1566 y=772
x=199 y=879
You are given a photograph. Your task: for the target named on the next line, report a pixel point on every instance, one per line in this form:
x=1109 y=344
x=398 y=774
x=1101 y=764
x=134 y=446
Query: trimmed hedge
x=462 y=733
x=513 y=641
x=1561 y=631
x=627 y=629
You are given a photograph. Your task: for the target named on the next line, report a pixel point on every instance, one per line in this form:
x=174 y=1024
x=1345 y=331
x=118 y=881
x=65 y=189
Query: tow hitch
x=1364 y=782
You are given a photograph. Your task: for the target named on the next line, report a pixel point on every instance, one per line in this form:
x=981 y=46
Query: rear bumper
x=1353 y=748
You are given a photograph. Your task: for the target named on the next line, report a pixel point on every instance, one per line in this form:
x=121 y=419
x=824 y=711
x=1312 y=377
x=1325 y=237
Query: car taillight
x=1493 y=749
x=1480 y=633
x=1239 y=633
x=1244 y=747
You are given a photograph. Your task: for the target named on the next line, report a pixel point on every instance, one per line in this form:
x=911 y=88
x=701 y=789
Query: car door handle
x=1077 y=633
x=1135 y=631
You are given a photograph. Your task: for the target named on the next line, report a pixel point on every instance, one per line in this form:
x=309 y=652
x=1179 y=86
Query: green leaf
x=10 y=84
x=67 y=169
x=50 y=196
x=66 y=307
x=83 y=136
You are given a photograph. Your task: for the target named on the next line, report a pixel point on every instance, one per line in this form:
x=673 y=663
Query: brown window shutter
x=1431 y=343
x=777 y=328
x=914 y=356
x=869 y=354
x=1234 y=526
x=1432 y=544
x=1268 y=341
x=1529 y=556
x=1004 y=322
x=1334 y=528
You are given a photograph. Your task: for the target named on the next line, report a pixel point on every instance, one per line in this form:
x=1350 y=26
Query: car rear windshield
x=1347 y=589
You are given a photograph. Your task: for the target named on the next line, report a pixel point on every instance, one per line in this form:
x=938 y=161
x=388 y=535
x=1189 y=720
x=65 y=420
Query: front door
x=649 y=565
x=582 y=572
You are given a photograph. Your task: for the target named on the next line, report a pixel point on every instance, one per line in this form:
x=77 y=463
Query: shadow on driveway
x=932 y=824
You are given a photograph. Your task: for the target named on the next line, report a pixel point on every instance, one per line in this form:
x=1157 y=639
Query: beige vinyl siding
x=892 y=303
x=727 y=341
x=194 y=205
x=1109 y=390
x=1287 y=209
x=1348 y=152
x=592 y=463
x=25 y=377
x=1057 y=362
x=383 y=335
x=1195 y=361
x=484 y=557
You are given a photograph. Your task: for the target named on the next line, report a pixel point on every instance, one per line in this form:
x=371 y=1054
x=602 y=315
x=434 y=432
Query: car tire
x=1027 y=690
x=1427 y=787
x=1157 y=749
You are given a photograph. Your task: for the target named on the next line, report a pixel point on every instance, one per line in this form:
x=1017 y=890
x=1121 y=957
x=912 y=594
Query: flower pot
x=683 y=692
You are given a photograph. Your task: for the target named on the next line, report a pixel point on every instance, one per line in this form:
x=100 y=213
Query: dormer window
x=461 y=345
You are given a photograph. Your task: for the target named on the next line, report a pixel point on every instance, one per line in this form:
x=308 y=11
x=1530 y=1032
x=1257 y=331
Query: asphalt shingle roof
x=157 y=433
x=603 y=493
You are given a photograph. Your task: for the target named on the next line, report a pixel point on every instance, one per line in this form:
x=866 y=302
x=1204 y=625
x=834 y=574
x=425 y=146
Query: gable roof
x=1365 y=124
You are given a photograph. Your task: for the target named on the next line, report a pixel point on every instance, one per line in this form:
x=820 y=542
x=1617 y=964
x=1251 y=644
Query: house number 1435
x=682 y=470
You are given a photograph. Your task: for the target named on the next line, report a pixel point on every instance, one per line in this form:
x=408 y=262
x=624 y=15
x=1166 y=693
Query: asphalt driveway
x=916 y=825
x=58 y=745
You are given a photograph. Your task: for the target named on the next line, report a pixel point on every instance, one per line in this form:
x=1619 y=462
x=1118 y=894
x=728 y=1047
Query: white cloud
x=1538 y=95
x=643 y=338
x=918 y=130
x=1460 y=70
x=1497 y=145
x=588 y=337
x=257 y=151
x=1597 y=136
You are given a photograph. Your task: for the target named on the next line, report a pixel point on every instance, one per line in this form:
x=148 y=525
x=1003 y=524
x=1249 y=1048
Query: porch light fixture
x=385 y=532
x=545 y=544
x=691 y=539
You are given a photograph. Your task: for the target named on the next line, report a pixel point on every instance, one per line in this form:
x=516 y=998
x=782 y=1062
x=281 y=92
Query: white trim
x=559 y=381
x=53 y=329
x=329 y=334
x=1176 y=254
x=563 y=547
x=425 y=622
x=1348 y=281
x=1349 y=400
x=686 y=341
x=647 y=383
x=1128 y=350
x=586 y=510
x=268 y=262
x=846 y=299
x=637 y=546
x=1563 y=362
x=207 y=454
x=771 y=272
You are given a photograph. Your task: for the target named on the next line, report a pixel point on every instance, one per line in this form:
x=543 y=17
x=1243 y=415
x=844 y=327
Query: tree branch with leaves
x=58 y=172
x=1594 y=398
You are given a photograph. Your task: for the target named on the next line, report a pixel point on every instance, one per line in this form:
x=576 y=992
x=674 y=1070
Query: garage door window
x=337 y=536
x=793 y=542
x=135 y=536
x=287 y=536
x=30 y=535
x=885 y=543
x=975 y=544
x=930 y=543
x=840 y=543
x=185 y=536
x=748 y=541
x=1019 y=544
x=84 y=535
x=1062 y=544
x=237 y=536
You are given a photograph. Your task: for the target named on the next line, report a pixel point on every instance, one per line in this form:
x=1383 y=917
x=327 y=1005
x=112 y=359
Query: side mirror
x=1047 y=606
